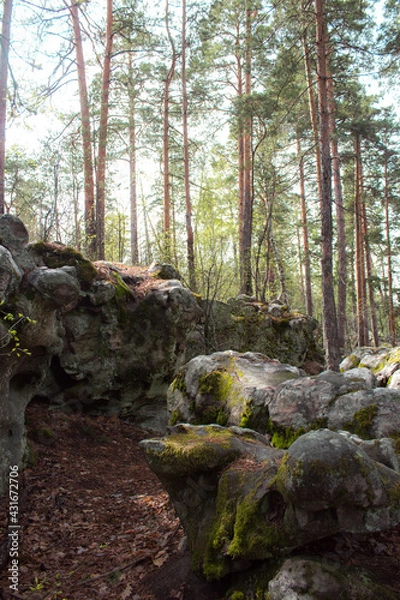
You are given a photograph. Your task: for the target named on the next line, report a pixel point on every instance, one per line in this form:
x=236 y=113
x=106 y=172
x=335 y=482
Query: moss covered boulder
x=227 y=388
x=309 y=579
x=240 y=500
x=245 y=324
x=337 y=401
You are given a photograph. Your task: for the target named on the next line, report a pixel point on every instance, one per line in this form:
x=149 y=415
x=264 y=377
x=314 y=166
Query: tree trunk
x=103 y=134
x=132 y=167
x=368 y=262
x=247 y=224
x=332 y=349
x=188 y=220
x=340 y=224
x=306 y=247
x=392 y=327
x=239 y=77
x=363 y=338
x=313 y=110
x=90 y=224
x=4 y=51
x=167 y=197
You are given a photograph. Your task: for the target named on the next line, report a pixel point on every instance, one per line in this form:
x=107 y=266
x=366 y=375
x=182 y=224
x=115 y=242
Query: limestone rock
x=84 y=337
x=244 y=324
x=163 y=271
x=10 y=274
x=363 y=374
x=310 y=579
x=57 y=286
x=227 y=388
x=336 y=401
x=240 y=500
x=14 y=236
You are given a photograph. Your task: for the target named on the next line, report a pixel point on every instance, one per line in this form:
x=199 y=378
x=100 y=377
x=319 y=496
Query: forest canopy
x=243 y=141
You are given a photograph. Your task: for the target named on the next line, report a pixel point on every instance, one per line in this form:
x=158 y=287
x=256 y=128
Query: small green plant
x=38 y=586
x=12 y=323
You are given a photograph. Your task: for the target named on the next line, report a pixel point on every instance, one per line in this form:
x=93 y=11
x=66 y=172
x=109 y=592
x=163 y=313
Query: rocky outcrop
x=96 y=337
x=229 y=388
x=245 y=324
x=240 y=500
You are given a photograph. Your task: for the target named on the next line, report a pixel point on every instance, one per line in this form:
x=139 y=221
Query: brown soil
x=96 y=523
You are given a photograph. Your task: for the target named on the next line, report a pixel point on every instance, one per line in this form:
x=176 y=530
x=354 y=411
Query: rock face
x=244 y=324
x=87 y=337
x=240 y=500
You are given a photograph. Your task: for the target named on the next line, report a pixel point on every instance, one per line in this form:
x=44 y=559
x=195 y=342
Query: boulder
x=335 y=401
x=244 y=324
x=227 y=388
x=302 y=578
x=240 y=500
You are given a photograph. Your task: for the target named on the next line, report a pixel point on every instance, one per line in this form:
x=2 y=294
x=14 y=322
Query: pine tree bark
x=103 y=134
x=392 y=326
x=166 y=127
x=90 y=223
x=368 y=262
x=331 y=344
x=340 y=222
x=4 y=52
x=362 y=321
x=188 y=202
x=304 y=224
x=247 y=213
x=132 y=167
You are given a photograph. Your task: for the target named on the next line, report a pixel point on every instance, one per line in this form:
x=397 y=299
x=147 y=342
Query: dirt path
x=94 y=519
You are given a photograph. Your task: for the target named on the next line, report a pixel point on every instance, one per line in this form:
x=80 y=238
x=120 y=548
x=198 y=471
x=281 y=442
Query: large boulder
x=240 y=500
x=94 y=337
x=228 y=388
x=245 y=324
x=302 y=578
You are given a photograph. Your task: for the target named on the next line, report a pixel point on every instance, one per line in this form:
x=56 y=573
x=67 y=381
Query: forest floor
x=96 y=523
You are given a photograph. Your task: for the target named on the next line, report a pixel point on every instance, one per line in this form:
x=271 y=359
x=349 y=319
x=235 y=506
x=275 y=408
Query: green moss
x=217 y=383
x=56 y=256
x=190 y=452
x=394 y=493
x=263 y=539
x=283 y=437
x=237 y=596
x=218 y=387
x=213 y=414
x=121 y=289
x=362 y=422
x=241 y=529
x=179 y=383
x=394 y=357
x=176 y=417
x=354 y=361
